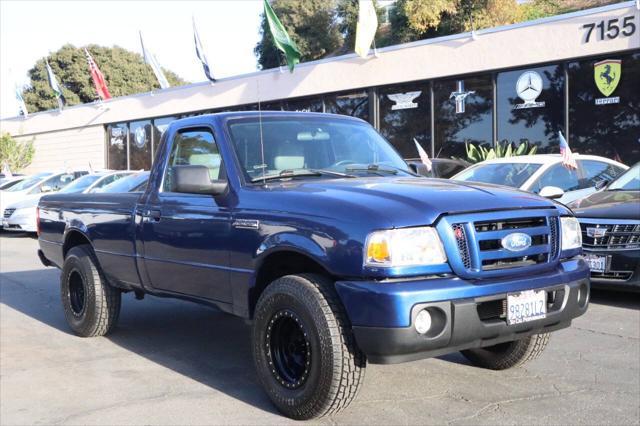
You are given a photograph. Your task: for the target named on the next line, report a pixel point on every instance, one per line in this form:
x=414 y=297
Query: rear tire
x=510 y=354
x=91 y=306
x=304 y=350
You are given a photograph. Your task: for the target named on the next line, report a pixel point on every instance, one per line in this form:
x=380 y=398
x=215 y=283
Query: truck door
x=185 y=236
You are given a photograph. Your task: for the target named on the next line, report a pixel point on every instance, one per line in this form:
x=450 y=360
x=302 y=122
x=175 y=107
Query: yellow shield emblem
x=607 y=75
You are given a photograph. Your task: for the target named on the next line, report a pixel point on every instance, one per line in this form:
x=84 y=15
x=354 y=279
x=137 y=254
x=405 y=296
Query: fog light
x=423 y=321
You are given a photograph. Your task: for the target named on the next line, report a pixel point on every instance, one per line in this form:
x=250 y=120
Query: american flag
x=423 y=156
x=567 y=156
x=98 y=79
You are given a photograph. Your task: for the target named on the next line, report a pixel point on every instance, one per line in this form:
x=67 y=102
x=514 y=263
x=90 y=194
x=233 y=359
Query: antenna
x=263 y=166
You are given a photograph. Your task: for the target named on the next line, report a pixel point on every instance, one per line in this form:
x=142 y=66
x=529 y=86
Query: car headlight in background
x=571 y=234
x=404 y=247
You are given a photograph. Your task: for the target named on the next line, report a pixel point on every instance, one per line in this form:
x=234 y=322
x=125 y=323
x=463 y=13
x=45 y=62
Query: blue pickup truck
x=312 y=227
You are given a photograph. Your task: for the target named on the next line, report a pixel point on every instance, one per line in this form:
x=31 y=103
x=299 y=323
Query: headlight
x=404 y=247
x=571 y=234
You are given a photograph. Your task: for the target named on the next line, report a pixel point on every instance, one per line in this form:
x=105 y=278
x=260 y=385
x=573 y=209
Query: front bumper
x=622 y=271
x=382 y=313
x=21 y=221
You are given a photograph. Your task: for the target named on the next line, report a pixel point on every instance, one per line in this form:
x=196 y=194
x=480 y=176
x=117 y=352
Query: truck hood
x=401 y=201
x=609 y=205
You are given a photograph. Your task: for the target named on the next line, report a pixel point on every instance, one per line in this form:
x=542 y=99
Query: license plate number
x=526 y=306
x=596 y=263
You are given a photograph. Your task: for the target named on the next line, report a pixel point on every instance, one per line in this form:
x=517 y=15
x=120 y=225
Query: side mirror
x=196 y=180
x=551 y=192
x=46 y=188
x=601 y=184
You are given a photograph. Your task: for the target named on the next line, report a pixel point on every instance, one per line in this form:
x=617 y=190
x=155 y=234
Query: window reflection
x=353 y=104
x=531 y=107
x=610 y=129
x=303 y=105
x=405 y=115
x=117 y=146
x=140 y=145
x=463 y=114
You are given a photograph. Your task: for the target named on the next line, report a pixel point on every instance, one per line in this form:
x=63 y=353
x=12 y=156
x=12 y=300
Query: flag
x=54 y=85
x=150 y=59
x=200 y=53
x=280 y=37
x=366 y=27
x=423 y=156
x=6 y=170
x=21 y=105
x=98 y=79
x=567 y=156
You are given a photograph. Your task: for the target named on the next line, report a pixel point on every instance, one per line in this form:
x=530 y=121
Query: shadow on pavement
x=196 y=341
x=620 y=299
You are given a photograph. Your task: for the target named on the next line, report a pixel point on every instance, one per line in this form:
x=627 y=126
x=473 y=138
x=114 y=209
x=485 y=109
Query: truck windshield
x=323 y=147
x=509 y=174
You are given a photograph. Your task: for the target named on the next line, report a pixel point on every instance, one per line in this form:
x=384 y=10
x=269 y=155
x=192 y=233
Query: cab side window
x=195 y=147
x=596 y=171
x=559 y=176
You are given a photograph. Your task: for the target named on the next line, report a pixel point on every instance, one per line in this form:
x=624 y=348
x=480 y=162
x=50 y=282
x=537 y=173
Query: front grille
x=616 y=236
x=496 y=310
x=8 y=212
x=461 y=240
x=478 y=239
x=612 y=275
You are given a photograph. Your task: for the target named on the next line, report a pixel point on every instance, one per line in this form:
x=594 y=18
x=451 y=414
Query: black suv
x=610 y=222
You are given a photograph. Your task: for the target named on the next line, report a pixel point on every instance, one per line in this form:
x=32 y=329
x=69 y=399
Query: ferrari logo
x=607 y=75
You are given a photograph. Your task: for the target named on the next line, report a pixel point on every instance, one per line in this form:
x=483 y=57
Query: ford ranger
x=314 y=229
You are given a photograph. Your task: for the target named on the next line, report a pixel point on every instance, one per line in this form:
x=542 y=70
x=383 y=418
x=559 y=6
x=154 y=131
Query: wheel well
x=74 y=238
x=278 y=265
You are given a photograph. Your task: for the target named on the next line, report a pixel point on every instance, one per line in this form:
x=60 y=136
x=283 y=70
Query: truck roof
x=264 y=114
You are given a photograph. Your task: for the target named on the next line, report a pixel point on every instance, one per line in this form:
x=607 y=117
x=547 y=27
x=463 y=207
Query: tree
x=17 y=155
x=125 y=72
x=311 y=24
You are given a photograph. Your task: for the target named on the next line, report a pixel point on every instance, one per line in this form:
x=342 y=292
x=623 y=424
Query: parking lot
x=172 y=362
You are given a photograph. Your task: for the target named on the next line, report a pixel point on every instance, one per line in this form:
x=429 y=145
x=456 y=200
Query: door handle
x=149 y=215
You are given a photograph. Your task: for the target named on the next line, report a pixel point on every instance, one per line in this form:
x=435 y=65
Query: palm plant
x=478 y=153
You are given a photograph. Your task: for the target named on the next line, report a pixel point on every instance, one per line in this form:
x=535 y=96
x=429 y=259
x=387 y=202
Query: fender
x=313 y=246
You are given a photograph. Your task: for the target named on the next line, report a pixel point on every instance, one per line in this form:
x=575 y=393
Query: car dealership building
x=578 y=74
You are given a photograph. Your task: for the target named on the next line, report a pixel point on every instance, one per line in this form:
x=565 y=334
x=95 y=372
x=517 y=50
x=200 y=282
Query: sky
x=29 y=30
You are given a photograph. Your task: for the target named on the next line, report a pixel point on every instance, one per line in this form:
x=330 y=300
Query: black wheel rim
x=77 y=293
x=288 y=349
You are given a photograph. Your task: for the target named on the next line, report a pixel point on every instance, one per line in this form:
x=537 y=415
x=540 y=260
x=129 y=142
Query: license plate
x=526 y=306
x=596 y=263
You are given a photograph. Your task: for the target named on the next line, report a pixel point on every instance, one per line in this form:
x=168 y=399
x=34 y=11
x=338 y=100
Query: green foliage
x=478 y=153
x=311 y=24
x=17 y=155
x=125 y=72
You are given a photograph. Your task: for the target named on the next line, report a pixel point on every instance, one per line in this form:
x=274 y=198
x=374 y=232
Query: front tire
x=510 y=354
x=304 y=350
x=91 y=306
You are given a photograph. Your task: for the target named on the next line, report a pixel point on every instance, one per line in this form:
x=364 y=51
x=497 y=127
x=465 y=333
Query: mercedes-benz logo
x=529 y=86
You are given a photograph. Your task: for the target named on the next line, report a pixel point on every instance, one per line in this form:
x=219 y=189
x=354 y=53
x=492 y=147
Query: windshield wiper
x=376 y=168
x=285 y=174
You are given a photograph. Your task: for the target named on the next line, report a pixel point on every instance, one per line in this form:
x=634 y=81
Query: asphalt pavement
x=173 y=362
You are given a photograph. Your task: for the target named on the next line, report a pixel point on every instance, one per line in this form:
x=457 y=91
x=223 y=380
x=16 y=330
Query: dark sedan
x=610 y=222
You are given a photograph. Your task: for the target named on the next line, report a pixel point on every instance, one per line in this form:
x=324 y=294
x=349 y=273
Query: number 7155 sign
x=610 y=29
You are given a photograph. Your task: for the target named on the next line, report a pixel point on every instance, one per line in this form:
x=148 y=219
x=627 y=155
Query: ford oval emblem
x=516 y=241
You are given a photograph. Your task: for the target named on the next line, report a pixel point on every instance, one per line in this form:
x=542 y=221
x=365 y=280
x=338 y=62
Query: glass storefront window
x=463 y=113
x=405 y=115
x=140 y=145
x=604 y=110
x=531 y=107
x=354 y=104
x=159 y=127
x=303 y=105
x=117 y=146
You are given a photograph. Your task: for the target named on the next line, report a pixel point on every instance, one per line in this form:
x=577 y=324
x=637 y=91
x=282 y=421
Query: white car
x=544 y=174
x=94 y=182
x=18 y=203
